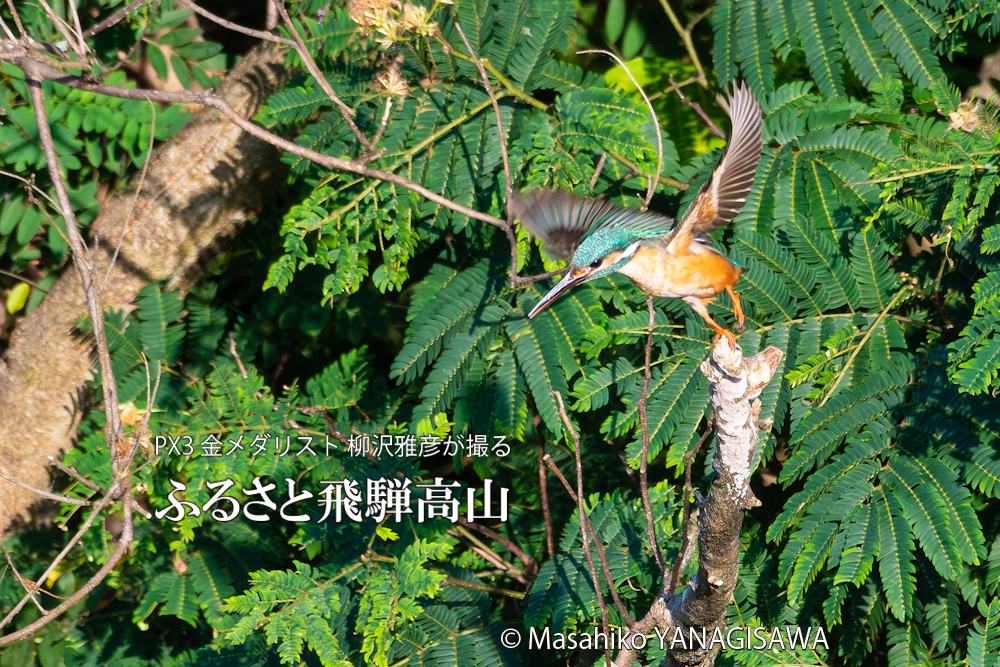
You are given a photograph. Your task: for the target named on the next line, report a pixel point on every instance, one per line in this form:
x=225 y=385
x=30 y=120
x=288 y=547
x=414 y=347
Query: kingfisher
x=659 y=256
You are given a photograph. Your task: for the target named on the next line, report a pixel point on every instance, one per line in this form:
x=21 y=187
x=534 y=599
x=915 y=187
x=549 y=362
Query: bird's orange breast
x=699 y=271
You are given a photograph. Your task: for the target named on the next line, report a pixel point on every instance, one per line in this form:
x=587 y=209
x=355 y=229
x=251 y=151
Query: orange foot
x=728 y=334
x=737 y=308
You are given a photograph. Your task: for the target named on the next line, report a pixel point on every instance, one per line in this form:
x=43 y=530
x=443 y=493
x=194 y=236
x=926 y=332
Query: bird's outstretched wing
x=724 y=194
x=562 y=220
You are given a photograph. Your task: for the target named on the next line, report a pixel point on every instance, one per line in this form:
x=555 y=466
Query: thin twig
x=300 y=48
x=64 y=30
x=46 y=494
x=491 y=557
x=79 y=249
x=6 y=30
x=675 y=571
x=864 y=339
x=528 y=561
x=24 y=583
x=259 y=34
x=593 y=536
x=499 y=561
x=34 y=73
x=529 y=280
x=113 y=19
x=208 y=99
x=652 y=113
x=150 y=402
x=76 y=24
x=685 y=35
x=543 y=488
x=17 y=19
x=236 y=356
x=586 y=519
x=496 y=109
x=381 y=128
x=124 y=541
x=74 y=474
x=30 y=183
x=504 y=81
x=697 y=107
x=598 y=169
x=135 y=199
x=584 y=537
x=644 y=458
x=511 y=236
x=104 y=502
x=462 y=583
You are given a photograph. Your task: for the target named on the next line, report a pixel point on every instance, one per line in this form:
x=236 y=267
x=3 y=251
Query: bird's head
x=601 y=254
x=597 y=237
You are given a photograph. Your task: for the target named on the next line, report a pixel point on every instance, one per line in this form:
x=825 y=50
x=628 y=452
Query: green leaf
x=614 y=20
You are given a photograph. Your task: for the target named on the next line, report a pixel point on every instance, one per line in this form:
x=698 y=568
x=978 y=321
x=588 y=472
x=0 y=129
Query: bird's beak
x=569 y=280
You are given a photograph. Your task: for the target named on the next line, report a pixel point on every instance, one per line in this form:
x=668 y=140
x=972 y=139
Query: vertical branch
x=138 y=190
x=644 y=460
x=496 y=109
x=736 y=383
x=82 y=260
x=17 y=19
x=656 y=123
x=584 y=521
x=587 y=524
x=64 y=30
x=675 y=571
x=300 y=48
x=685 y=35
x=544 y=491
x=503 y=152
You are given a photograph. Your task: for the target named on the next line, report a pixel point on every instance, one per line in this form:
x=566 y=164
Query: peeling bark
x=201 y=186
x=736 y=384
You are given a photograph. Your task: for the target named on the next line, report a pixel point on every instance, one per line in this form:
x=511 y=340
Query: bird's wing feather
x=724 y=194
x=562 y=220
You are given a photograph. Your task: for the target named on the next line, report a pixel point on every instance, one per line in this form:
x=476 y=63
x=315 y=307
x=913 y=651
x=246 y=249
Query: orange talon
x=728 y=334
x=737 y=307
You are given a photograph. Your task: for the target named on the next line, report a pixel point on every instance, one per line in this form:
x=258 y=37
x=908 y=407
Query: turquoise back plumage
x=584 y=229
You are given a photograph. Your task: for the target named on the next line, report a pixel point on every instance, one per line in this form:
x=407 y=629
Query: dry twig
x=656 y=123
x=644 y=458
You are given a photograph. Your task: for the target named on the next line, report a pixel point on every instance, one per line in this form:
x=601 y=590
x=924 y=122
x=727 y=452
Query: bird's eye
x=596 y=263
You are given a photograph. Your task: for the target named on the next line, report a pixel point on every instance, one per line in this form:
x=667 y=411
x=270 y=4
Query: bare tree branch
x=74 y=474
x=578 y=498
x=21 y=57
x=584 y=533
x=17 y=19
x=45 y=494
x=543 y=490
x=684 y=553
x=652 y=113
x=644 y=457
x=736 y=384
x=300 y=48
x=123 y=545
x=697 y=107
x=113 y=19
x=496 y=109
x=529 y=563
x=25 y=583
x=259 y=34
x=80 y=253
x=108 y=498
